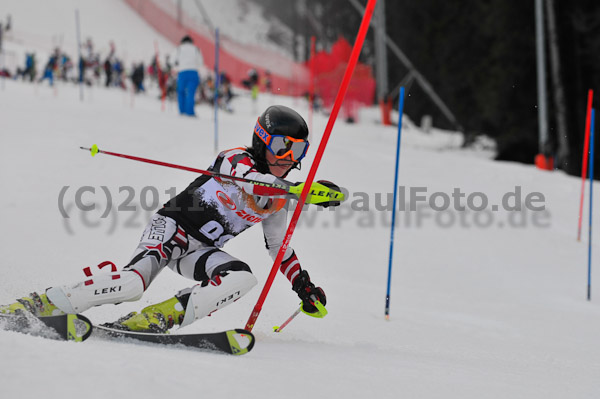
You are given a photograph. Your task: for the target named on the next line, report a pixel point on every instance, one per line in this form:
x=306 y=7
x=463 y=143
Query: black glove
x=308 y=292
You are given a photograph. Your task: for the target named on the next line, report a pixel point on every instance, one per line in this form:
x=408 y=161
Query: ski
x=234 y=342
x=78 y=328
x=67 y=327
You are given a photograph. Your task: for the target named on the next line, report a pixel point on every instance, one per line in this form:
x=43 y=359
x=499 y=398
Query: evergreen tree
x=481 y=59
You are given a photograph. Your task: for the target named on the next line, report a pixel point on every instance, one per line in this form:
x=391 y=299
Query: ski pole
x=285 y=323
x=319 y=193
x=319 y=313
x=276 y=188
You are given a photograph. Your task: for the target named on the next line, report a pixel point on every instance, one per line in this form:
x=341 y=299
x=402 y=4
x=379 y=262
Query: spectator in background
x=207 y=91
x=118 y=74
x=108 y=64
x=168 y=66
x=81 y=68
x=4 y=28
x=51 y=66
x=91 y=70
x=108 y=71
x=225 y=94
x=252 y=83
x=28 y=72
x=268 y=82
x=188 y=60
x=137 y=77
x=251 y=80
x=65 y=67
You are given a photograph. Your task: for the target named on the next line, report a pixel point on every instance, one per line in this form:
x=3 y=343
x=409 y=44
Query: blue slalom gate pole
x=389 y=281
x=591 y=167
x=216 y=96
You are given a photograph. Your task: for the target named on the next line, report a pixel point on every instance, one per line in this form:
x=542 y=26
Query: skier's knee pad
x=124 y=286
x=218 y=293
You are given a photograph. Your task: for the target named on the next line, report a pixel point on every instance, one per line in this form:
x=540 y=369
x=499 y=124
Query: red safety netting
x=329 y=69
x=287 y=77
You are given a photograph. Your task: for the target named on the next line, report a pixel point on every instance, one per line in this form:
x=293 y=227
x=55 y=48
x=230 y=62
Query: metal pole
x=559 y=90
x=179 y=13
x=79 y=54
x=205 y=16
x=425 y=85
x=381 y=51
x=541 y=77
x=2 y=55
x=216 y=95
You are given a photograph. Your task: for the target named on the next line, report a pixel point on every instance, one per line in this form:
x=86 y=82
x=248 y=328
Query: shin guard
x=124 y=286
x=218 y=293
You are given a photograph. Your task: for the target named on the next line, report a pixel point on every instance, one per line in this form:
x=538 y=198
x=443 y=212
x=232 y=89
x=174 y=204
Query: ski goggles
x=282 y=146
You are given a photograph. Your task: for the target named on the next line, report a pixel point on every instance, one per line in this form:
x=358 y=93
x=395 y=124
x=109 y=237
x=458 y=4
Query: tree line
x=480 y=57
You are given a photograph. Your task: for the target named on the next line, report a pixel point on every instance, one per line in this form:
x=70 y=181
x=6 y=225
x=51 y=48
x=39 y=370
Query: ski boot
x=38 y=305
x=157 y=318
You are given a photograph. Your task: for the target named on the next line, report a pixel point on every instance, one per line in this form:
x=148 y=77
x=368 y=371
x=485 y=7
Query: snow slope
x=240 y=21
x=482 y=306
x=43 y=25
x=476 y=312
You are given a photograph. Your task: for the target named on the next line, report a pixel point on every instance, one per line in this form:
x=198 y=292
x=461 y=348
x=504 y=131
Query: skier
x=188 y=60
x=187 y=235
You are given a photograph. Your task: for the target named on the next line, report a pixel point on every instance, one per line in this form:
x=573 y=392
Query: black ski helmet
x=277 y=120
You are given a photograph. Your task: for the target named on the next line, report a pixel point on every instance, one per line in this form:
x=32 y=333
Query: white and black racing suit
x=187 y=233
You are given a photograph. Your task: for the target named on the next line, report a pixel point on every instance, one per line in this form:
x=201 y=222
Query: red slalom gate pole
x=586 y=149
x=360 y=38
